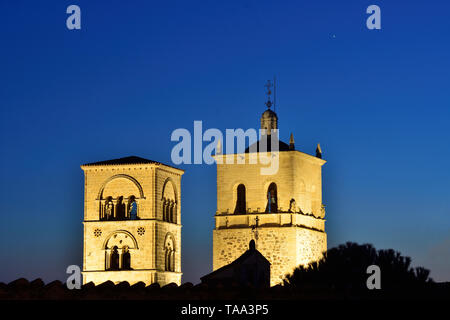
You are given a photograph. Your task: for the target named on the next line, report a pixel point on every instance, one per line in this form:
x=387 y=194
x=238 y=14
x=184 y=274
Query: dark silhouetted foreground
x=341 y=274
x=345 y=267
x=250 y=269
x=21 y=289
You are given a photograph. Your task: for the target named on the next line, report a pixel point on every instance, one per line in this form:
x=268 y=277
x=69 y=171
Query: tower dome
x=269 y=121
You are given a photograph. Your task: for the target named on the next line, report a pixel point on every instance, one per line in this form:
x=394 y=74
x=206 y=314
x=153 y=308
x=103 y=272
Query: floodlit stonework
x=283 y=212
x=132 y=224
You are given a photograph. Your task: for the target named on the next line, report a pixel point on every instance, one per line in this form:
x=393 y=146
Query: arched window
x=132 y=208
x=168 y=260
x=118 y=248
x=240 y=200
x=164 y=209
x=114 y=262
x=120 y=209
x=126 y=259
x=174 y=212
x=108 y=209
x=169 y=200
x=169 y=254
x=166 y=204
x=169 y=209
x=272 y=199
x=114 y=204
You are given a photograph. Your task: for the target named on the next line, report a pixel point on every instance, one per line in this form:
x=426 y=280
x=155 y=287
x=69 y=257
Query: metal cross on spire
x=268 y=86
x=255 y=229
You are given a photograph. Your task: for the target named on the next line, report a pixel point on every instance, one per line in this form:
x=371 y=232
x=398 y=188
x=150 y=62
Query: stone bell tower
x=282 y=212
x=132 y=224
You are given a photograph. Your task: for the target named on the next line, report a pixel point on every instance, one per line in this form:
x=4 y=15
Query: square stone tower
x=282 y=212
x=132 y=223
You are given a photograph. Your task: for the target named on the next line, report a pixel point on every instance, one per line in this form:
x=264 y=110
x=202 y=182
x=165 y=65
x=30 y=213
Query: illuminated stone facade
x=283 y=212
x=132 y=225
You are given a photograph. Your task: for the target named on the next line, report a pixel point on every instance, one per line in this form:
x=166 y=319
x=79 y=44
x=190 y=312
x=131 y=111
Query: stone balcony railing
x=128 y=222
x=268 y=219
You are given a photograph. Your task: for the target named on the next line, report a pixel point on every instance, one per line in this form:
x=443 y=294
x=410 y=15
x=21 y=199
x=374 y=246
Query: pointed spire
x=291 y=142
x=219 y=147
x=319 y=151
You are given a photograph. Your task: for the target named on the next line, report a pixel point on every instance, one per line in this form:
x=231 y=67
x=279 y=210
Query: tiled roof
x=236 y=262
x=281 y=146
x=126 y=160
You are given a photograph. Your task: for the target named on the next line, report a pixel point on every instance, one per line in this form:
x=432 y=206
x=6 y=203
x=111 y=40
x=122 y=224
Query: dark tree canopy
x=345 y=267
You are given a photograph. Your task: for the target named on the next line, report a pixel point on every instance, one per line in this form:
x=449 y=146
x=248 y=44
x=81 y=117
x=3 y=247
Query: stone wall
x=145 y=236
x=287 y=238
x=284 y=247
x=94 y=250
x=117 y=180
x=162 y=177
x=132 y=277
x=163 y=230
x=299 y=177
x=310 y=245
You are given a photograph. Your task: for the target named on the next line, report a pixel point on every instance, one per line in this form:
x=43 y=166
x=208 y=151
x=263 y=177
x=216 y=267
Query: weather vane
x=268 y=86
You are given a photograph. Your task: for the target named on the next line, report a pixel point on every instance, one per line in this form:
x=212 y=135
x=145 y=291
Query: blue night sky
x=378 y=101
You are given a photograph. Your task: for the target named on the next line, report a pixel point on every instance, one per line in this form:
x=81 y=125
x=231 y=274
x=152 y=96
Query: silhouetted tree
x=345 y=267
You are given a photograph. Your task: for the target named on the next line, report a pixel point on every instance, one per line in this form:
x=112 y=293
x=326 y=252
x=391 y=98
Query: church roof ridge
x=238 y=261
x=126 y=161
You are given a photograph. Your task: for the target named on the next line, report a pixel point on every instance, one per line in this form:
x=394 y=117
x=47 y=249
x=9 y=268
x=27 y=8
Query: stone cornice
x=129 y=221
x=297 y=153
x=92 y=167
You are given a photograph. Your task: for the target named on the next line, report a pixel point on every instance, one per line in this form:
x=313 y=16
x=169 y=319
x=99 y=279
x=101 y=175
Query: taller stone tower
x=132 y=225
x=282 y=212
